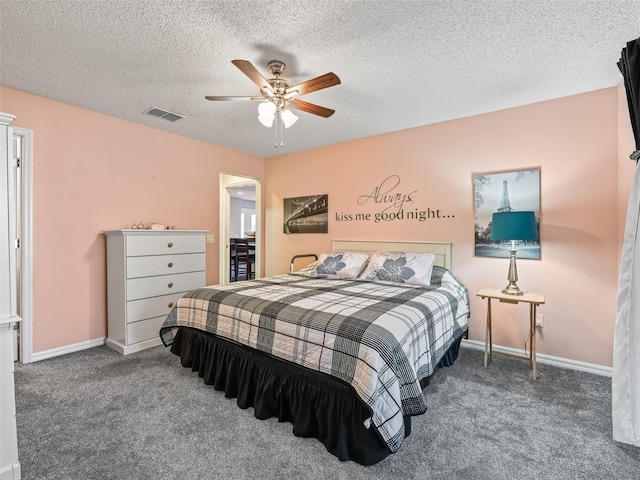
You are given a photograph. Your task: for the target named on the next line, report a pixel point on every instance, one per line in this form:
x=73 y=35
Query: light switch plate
x=211 y=239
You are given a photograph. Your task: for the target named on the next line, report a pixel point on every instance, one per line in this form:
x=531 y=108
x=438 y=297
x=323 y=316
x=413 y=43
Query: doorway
x=240 y=216
x=23 y=184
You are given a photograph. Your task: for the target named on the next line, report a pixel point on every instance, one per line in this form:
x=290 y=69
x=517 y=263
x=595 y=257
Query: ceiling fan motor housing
x=276 y=67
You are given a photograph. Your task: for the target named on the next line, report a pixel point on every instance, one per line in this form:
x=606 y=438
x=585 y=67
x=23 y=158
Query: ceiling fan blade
x=310 y=108
x=228 y=98
x=323 y=81
x=254 y=75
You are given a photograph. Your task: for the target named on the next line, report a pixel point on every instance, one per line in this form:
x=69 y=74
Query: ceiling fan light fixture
x=277 y=93
x=267 y=109
x=288 y=118
x=266 y=120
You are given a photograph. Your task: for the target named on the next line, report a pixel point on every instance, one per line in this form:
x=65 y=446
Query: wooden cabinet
x=147 y=272
x=9 y=464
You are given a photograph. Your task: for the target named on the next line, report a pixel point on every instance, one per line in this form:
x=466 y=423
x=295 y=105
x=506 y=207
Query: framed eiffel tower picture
x=508 y=191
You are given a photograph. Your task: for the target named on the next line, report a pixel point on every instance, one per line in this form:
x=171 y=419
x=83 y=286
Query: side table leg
x=532 y=355
x=487 y=338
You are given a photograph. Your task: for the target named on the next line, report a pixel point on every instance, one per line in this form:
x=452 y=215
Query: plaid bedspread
x=380 y=337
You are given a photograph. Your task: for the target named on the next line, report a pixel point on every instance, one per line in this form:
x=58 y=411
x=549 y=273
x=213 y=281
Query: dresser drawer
x=164 y=244
x=164 y=264
x=164 y=284
x=151 y=307
x=144 y=330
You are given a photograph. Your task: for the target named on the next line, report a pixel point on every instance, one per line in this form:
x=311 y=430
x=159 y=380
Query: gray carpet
x=98 y=415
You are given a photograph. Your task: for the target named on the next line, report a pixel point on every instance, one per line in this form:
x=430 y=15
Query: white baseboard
x=123 y=349
x=10 y=472
x=76 y=347
x=475 y=344
x=546 y=359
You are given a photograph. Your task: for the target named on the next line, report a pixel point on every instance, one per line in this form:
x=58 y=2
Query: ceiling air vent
x=160 y=113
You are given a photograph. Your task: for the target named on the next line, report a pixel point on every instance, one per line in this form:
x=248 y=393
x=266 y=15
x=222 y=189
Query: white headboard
x=442 y=250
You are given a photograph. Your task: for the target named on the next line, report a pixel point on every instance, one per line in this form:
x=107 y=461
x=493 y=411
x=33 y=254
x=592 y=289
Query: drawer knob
x=170 y=285
x=170 y=244
x=170 y=264
x=170 y=304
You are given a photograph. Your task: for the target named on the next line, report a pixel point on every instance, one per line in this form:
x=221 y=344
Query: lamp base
x=512 y=289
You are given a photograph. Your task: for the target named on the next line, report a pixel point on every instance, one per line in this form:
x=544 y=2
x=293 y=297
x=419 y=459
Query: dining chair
x=232 y=260
x=244 y=259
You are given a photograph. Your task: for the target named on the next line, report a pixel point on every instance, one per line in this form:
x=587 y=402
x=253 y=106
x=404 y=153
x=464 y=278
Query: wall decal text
x=395 y=204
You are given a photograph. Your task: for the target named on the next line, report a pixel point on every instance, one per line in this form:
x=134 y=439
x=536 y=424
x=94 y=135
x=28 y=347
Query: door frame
x=26 y=245
x=230 y=180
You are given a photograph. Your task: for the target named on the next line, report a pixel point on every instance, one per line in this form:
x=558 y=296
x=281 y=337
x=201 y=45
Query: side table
x=533 y=299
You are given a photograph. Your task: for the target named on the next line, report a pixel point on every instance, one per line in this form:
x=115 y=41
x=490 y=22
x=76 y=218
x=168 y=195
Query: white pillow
x=400 y=267
x=341 y=264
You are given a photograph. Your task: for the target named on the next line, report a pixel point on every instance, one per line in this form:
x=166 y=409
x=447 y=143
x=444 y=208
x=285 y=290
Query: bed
x=341 y=349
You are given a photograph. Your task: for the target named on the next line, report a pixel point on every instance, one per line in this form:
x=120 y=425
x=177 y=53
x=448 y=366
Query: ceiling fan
x=277 y=93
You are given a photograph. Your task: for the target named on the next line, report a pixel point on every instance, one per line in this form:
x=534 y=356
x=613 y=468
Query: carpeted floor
x=98 y=415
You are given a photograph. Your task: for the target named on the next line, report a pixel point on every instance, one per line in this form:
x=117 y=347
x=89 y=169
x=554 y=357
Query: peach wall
x=626 y=145
x=574 y=142
x=93 y=172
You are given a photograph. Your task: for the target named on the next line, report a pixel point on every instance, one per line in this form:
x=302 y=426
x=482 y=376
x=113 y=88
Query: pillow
x=400 y=267
x=341 y=264
x=309 y=269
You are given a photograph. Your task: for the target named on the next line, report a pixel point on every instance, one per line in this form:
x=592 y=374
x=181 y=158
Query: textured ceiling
x=402 y=63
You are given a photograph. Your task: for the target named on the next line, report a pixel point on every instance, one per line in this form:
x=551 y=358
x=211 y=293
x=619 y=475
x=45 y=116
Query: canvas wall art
x=306 y=214
x=516 y=190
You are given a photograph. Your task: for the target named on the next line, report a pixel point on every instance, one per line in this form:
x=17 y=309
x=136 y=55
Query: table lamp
x=513 y=226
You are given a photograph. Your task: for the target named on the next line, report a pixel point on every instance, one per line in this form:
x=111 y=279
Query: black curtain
x=629 y=65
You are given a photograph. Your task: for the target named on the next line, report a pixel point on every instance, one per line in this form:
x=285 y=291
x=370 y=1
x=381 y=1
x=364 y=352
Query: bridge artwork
x=306 y=214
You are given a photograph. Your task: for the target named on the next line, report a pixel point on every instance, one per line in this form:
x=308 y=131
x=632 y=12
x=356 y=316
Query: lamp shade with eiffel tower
x=513 y=226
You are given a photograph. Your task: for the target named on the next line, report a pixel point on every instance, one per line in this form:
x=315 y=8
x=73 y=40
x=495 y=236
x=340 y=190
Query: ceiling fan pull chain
x=278 y=129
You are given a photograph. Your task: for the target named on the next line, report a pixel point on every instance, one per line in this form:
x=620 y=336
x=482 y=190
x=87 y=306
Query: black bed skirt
x=317 y=404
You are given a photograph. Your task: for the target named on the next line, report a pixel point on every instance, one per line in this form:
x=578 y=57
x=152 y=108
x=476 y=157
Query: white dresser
x=147 y=272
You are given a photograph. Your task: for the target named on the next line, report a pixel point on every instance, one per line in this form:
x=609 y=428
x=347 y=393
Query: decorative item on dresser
x=147 y=272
